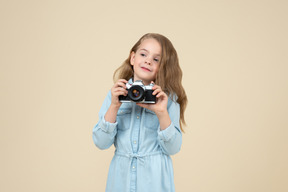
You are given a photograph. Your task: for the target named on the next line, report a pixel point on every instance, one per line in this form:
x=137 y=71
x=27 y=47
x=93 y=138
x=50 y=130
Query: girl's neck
x=144 y=82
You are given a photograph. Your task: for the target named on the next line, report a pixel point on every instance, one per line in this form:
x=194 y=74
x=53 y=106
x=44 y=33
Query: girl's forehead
x=150 y=45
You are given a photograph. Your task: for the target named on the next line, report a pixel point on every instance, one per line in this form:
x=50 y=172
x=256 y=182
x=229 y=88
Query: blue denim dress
x=141 y=162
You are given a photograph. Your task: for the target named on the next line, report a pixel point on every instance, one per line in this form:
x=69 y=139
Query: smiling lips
x=146 y=69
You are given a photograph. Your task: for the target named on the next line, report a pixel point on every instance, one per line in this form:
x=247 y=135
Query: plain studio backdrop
x=57 y=60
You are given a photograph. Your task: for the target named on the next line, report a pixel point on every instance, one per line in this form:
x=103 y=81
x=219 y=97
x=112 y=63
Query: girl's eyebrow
x=148 y=52
x=144 y=50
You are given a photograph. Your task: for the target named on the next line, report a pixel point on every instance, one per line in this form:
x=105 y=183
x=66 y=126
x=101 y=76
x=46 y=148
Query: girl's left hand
x=161 y=101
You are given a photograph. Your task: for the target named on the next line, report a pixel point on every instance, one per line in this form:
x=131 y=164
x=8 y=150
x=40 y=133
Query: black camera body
x=139 y=93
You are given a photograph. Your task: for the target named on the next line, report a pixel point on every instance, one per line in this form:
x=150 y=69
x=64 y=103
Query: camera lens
x=136 y=93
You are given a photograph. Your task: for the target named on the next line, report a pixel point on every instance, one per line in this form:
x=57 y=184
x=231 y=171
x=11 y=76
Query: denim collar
x=130 y=81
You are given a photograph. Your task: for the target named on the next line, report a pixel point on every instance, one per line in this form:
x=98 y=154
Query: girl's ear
x=132 y=58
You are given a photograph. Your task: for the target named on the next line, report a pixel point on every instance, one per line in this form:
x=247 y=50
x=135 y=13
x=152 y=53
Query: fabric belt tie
x=138 y=156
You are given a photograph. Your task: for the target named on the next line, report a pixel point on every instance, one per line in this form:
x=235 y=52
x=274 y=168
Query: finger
x=125 y=93
x=156 y=87
x=119 y=91
x=157 y=90
x=120 y=84
x=161 y=94
x=123 y=81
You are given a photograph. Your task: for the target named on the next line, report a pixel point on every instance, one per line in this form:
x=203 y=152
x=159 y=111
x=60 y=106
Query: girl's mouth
x=145 y=69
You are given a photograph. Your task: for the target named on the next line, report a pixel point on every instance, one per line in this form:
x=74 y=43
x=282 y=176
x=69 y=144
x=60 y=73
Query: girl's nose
x=148 y=61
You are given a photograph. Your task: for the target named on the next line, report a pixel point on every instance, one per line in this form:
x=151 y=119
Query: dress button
x=137 y=117
x=133 y=167
x=134 y=142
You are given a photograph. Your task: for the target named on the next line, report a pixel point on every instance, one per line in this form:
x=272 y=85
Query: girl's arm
x=170 y=138
x=105 y=130
x=168 y=113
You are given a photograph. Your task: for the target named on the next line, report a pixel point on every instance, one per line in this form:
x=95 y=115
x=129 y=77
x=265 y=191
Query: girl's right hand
x=119 y=88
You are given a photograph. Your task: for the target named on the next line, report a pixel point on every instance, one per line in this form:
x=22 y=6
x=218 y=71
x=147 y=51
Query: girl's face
x=146 y=61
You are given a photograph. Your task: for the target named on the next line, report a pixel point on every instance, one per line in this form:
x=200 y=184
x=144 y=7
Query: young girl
x=144 y=135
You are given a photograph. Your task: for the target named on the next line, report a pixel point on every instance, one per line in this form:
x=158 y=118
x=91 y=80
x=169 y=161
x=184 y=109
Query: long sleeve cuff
x=167 y=133
x=107 y=126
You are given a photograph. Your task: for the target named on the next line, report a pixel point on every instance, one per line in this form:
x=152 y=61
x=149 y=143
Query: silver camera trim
x=140 y=83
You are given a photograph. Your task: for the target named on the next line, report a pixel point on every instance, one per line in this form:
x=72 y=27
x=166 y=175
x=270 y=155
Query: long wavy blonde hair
x=169 y=75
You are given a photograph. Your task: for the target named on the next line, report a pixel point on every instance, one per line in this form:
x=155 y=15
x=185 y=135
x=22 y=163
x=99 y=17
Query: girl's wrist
x=161 y=113
x=164 y=119
x=115 y=106
x=111 y=113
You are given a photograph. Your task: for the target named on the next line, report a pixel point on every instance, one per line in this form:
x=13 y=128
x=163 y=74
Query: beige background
x=57 y=61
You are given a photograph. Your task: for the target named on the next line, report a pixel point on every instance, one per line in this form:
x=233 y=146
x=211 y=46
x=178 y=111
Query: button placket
x=136 y=129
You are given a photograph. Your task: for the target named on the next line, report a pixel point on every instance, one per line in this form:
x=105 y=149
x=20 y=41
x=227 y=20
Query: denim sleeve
x=170 y=139
x=104 y=132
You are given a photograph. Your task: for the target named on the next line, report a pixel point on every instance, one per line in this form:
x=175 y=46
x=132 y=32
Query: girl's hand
x=119 y=88
x=161 y=101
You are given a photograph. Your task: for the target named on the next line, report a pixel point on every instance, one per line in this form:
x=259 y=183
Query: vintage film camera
x=139 y=93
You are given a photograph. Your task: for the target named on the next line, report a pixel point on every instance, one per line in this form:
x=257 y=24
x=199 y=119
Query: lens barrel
x=136 y=93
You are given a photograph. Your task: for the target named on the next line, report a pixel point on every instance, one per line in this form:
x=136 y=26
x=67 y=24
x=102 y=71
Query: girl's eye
x=156 y=60
x=142 y=54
